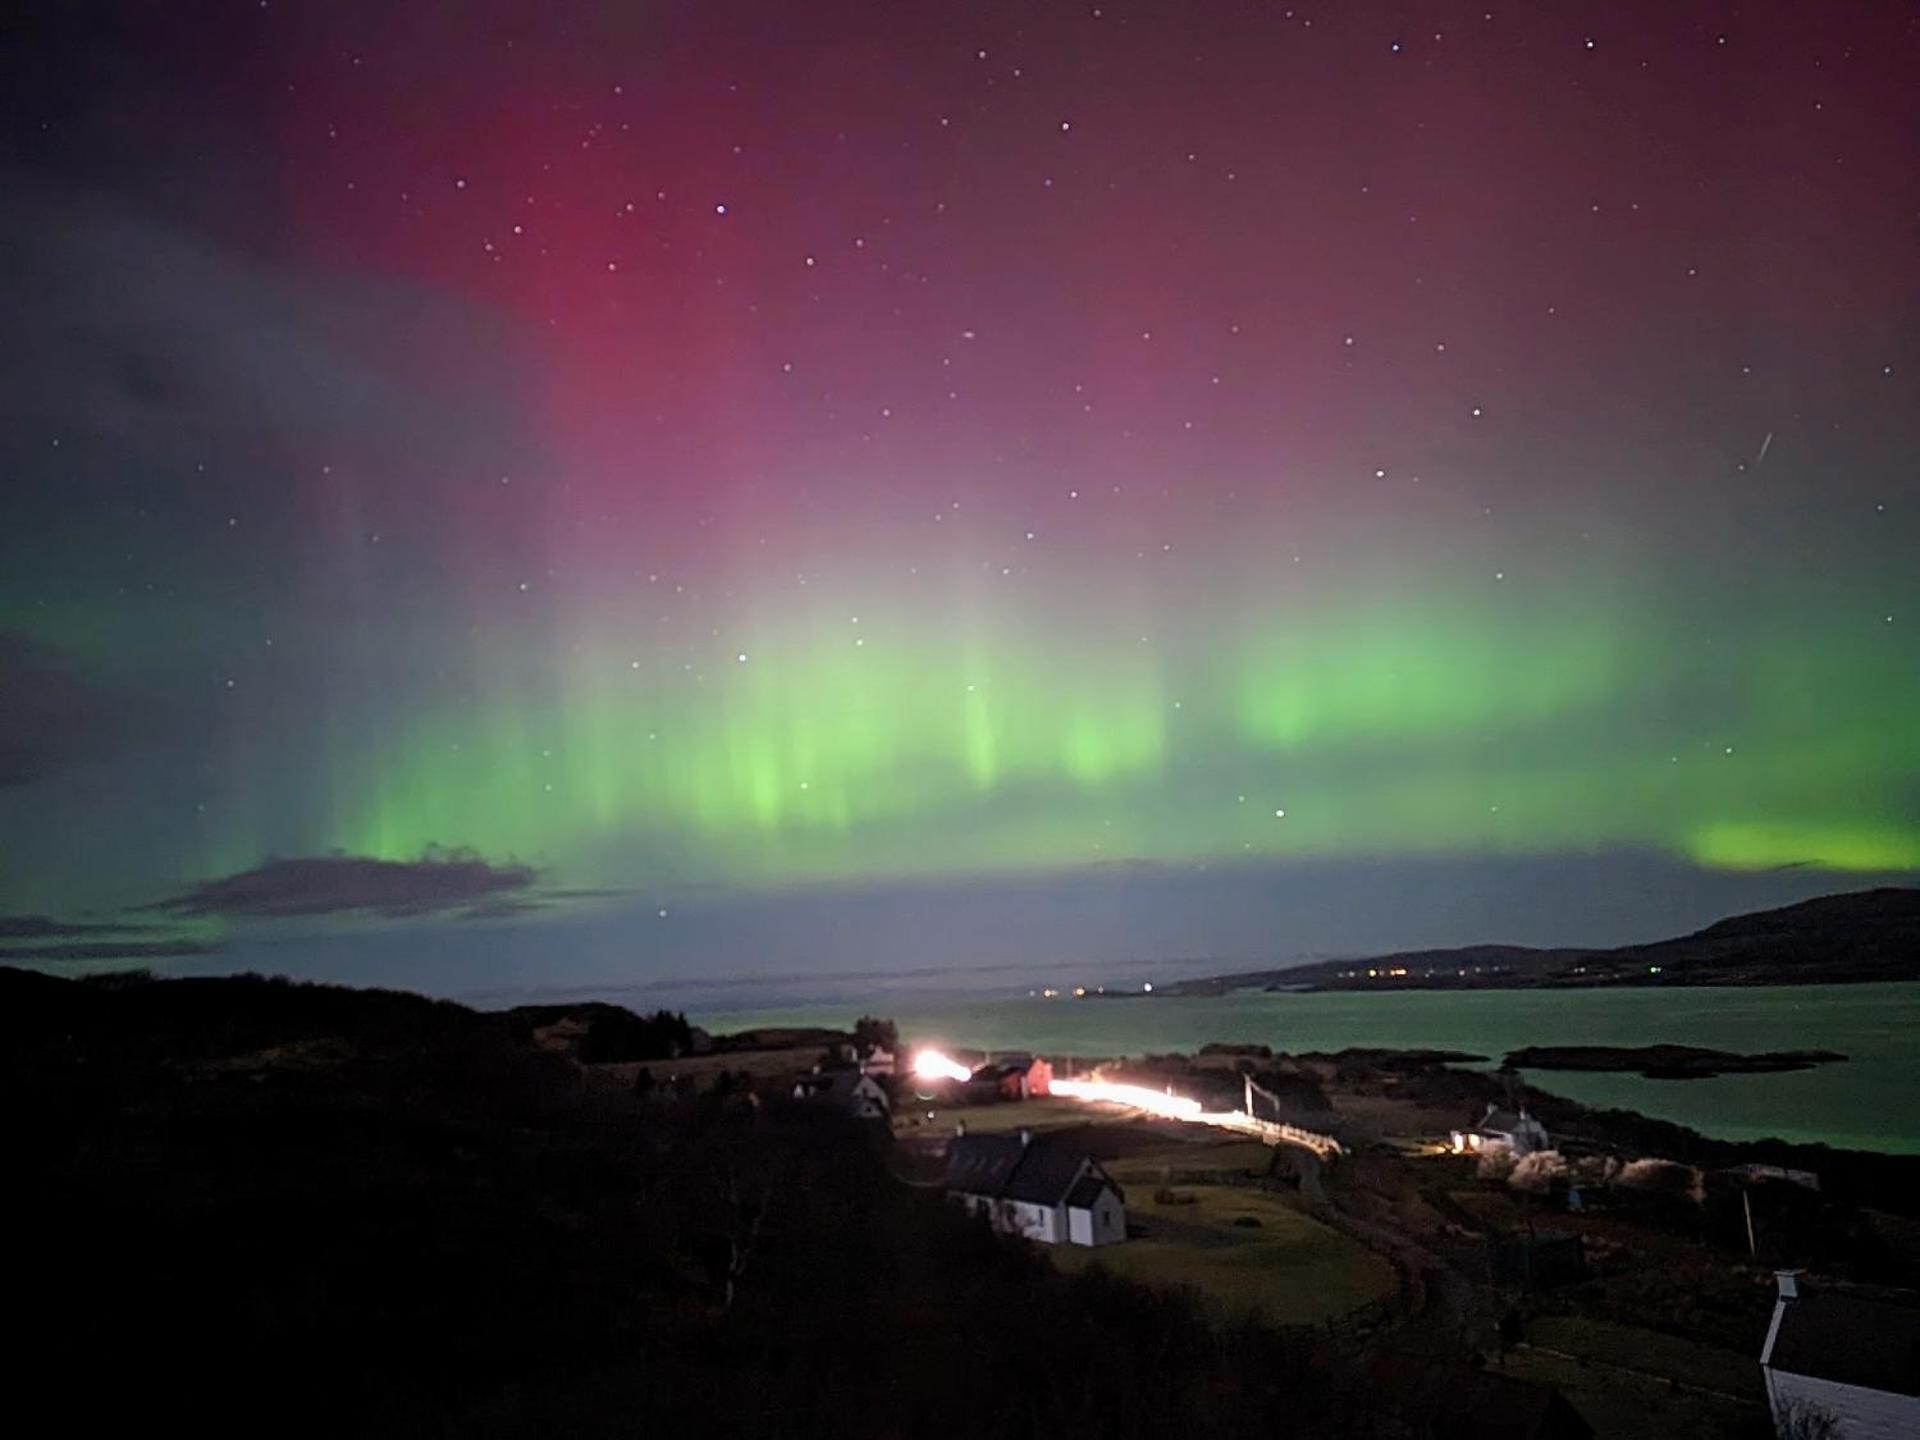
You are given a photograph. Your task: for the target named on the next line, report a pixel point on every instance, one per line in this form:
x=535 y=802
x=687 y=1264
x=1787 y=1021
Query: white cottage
x=1498 y=1130
x=1045 y=1190
x=1842 y=1360
x=849 y=1091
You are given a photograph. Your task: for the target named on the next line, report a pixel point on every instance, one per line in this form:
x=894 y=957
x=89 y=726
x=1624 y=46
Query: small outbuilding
x=1752 y=1174
x=1514 y=1131
x=1045 y=1190
x=852 y=1093
x=1848 y=1362
x=1024 y=1077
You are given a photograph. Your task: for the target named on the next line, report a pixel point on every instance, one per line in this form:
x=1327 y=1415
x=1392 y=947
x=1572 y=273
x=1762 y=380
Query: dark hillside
x=1869 y=935
x=243 y=1204
x=1824 y=915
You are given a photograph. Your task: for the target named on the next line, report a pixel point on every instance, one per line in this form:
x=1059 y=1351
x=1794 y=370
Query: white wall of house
x=869 y=1100
x=1045 y=1223
x=1104 y=1224
x=1530 y=1135
x=1858 y=1413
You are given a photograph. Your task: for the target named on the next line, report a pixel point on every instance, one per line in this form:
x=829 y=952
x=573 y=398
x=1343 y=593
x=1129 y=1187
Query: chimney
x=1026 y=1138
x=1789 y=1282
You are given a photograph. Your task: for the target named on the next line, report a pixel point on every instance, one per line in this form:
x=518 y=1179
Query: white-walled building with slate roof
x=1045 y=1190
x=1511 y=1130
x=1851 y=1358
x=849 y=1091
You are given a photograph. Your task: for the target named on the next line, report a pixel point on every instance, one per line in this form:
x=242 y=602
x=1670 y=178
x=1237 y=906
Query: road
x=1439 y=1298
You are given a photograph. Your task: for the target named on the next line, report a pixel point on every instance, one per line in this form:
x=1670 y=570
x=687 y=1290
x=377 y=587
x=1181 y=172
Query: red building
x=1025 y=1077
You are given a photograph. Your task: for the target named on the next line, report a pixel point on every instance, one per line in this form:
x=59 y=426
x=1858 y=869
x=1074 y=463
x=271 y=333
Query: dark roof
x=1039 y=1171
x=980 y=1164
x=836 y=1087
x=1504 y=1122
x=1850 y=1339
x=1046 y=1173
x=1082 y=1196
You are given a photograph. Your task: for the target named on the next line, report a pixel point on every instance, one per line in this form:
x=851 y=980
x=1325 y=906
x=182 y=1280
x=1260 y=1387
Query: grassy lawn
x=1627 y=1407
x=1034 y=1115
x=1687 y=1361
x=761 y=1064
x=1292 y=1270
x=1184 y=1155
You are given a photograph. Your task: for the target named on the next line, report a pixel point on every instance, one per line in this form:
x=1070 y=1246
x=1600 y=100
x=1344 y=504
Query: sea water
x=1869 y=1102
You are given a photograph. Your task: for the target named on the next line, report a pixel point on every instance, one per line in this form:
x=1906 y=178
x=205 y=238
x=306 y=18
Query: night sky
x=523 y=494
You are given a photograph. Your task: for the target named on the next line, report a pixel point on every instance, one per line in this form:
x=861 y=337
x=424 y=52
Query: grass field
x=1623 y=1406
x=760 y=1064
x=993 y=1119
x=1622 y=1379
x=1706 y=1367
x=1291 y=1270
x=1185 y=1152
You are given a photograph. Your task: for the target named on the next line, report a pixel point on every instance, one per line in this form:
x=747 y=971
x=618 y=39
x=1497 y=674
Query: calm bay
x=1870 y=1102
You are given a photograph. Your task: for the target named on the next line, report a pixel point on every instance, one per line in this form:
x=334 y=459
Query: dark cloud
x=355 y=884
x=507 y=908
x=44 y=938
x=45 y=927
x=111 y=950
x=149 y=360
x=49 y=717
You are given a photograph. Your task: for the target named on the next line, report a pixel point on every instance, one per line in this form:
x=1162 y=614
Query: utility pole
x=1746 y=1204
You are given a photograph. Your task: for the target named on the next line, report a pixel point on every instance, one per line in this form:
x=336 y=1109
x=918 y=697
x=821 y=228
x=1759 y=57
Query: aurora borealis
x=711 y=453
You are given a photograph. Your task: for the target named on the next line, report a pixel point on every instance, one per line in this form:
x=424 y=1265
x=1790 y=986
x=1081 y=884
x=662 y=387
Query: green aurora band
x=1476 y=725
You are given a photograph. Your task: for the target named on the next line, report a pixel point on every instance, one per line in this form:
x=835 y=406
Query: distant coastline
x=1864 y=937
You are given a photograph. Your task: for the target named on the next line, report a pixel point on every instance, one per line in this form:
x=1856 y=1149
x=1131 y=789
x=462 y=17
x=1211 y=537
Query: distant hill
x=1866 y=935
x=597 y=1033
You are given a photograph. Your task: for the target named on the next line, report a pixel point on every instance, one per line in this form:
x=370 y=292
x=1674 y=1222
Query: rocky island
x=1665 y=1062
